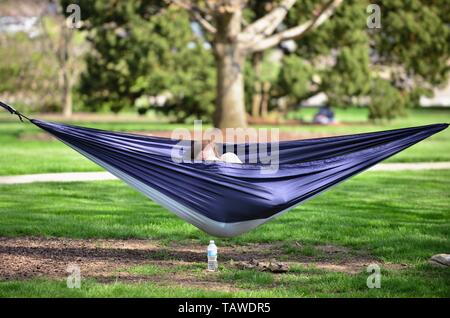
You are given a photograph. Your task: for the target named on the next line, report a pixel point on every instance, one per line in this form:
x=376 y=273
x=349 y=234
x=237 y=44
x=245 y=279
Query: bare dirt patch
x=111 y=260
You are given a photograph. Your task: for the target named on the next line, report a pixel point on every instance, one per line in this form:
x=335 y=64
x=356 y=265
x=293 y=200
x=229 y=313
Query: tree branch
x=268 y=23
x=204 y=22
x=195 y=12
x=261 y=44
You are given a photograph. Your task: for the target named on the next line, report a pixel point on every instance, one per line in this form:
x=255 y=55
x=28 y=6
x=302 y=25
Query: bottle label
x=212 y=253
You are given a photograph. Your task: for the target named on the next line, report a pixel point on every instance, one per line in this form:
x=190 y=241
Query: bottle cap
x=211 y=242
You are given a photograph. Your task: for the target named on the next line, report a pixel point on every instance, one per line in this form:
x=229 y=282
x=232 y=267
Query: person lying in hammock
x=206 y=150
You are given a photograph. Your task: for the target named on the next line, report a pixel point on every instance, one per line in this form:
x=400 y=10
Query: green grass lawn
x=394 y=217
x=25 y=150
x=423 y=281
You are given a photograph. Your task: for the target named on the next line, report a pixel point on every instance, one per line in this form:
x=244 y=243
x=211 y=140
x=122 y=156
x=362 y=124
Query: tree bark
x=66 y=95
x=265 y=99
x=256 y=99
x=66 y=82
x=262 y=43
x=230 y=59
x=257 y=94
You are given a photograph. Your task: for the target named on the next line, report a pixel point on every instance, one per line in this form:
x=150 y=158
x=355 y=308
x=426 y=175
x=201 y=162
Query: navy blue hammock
x=225 y=199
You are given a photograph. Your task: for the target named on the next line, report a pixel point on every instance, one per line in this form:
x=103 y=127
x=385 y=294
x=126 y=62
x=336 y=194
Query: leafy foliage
x=386 y=101
x=138 y=54
x=408 y=54
x=27 y=73
x=416 y=35
x=295 y=78
x=350 y=76
x=142 y=49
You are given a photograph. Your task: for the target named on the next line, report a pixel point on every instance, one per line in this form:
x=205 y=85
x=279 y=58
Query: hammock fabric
x=225 y=199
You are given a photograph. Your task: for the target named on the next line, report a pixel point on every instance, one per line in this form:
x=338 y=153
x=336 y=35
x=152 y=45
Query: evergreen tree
x=408 y=54
x=138 y=53
x=147 y=48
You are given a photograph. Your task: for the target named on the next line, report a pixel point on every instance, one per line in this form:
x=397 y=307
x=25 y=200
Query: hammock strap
x=13 y=111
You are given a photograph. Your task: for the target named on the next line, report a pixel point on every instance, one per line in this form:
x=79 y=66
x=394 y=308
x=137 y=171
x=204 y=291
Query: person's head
x=198 y=146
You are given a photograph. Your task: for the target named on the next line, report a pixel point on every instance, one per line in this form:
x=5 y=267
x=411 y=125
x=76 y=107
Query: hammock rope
x=225 y=199
x=13 y=111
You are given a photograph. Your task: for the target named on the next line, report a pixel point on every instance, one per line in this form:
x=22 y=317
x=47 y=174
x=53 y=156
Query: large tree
x=143 y=47
x=67 y=45
x=233 y=42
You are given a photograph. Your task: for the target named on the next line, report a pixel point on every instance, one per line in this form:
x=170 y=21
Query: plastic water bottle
x=212 y=257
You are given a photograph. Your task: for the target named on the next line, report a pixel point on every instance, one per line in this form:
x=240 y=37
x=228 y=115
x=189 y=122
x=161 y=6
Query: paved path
x=411 y=166
x=96 y=176
x=57 y=177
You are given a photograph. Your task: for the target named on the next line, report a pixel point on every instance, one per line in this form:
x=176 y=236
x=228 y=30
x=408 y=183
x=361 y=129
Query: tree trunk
x=67 y=95
x=256 y=99
x=230 y=58
x=257 y=94
x=265 y=99
x=63 y=55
